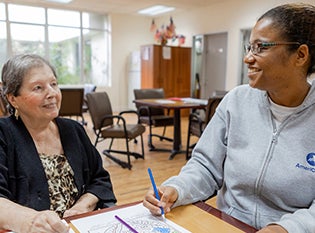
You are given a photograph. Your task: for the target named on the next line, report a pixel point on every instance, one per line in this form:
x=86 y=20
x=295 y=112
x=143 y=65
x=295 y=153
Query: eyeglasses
x=258 y=47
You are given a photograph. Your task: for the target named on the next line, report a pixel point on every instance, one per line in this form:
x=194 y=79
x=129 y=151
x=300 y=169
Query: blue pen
x=156 y=192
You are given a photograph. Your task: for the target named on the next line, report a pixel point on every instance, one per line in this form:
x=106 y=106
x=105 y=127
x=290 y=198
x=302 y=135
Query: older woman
x=258 y=150
x=48 y=167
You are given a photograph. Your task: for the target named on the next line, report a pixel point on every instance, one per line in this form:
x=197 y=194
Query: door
x=214 y=66
x=245 y=34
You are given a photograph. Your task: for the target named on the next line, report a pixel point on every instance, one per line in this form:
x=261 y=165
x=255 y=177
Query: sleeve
x=4 y=188
x=99 y=182
x=86 y=162
x=203 y=173
x=6 y=160
x=301 y=221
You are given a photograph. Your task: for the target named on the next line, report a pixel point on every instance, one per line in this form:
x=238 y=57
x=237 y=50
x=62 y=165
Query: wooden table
x=197 y=218
x=175 y=104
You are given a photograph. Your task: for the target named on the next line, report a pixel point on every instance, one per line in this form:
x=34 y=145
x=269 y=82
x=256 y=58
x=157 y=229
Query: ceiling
x=120 y=6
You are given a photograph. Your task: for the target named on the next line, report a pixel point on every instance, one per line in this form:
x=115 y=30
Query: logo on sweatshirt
x=310 y=158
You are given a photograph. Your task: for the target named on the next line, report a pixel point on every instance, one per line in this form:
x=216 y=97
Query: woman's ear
x=11 y=100
x=303 y=56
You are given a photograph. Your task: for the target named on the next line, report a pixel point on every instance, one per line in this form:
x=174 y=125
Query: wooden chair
x=197 y=123
x=106 y=125
x=153 y=117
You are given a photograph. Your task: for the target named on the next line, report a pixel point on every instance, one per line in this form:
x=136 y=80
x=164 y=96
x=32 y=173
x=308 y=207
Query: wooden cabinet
x=166 y=67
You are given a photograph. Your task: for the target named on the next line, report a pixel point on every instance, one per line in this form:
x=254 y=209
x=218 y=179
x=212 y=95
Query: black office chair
x=153 y=117
x=106 y=125
x=198 y=122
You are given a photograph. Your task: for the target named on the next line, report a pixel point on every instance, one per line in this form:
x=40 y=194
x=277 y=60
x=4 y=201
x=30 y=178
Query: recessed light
x=155 y=10
x=60 y=1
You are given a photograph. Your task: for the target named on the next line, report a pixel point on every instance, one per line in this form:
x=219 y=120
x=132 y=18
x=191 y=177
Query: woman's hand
x=168 y=196
x=22 y=219
x=272 y=229
x=43 y=222
x=86 y=203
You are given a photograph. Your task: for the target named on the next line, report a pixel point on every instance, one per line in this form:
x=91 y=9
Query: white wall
x=130 y=32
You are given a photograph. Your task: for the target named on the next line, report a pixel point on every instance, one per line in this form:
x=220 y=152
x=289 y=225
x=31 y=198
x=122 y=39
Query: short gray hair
x=14 y=71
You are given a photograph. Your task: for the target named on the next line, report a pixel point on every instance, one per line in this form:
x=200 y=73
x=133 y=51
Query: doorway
x=209 y=63
x=245 y=40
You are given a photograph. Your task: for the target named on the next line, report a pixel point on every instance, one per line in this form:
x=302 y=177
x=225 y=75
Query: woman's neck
x=290 y=97
x=46 y=138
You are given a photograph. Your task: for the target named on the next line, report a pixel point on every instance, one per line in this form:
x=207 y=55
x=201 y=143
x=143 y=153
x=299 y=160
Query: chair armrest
x=130 y=112
x=144 y=110
x=118 y=117
x=97 y=131
x=194 y=116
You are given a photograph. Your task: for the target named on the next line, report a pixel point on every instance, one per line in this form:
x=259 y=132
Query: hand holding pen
x=153 y=198
x=156 y=192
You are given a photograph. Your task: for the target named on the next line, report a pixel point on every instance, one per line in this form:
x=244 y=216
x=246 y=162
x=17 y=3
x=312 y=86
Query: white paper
x=195 y=101
x=137 y=216
x=165 y=101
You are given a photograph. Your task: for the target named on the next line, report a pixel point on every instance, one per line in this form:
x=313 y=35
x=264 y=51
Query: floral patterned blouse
x=60 y=178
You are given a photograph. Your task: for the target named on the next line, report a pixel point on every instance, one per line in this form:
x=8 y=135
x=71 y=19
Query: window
x=63 y=18
x=76 y=43
x=2 y=11
x=64 y=53
x=3 y=39
x=3 y=35
x=26 y=14
x=96 y=62
x=27 y=39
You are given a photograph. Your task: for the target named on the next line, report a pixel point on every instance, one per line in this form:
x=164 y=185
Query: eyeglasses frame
x=255 y=51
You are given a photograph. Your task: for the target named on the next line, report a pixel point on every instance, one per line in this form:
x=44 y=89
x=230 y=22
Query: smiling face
x=273 y=68
x=39 y=97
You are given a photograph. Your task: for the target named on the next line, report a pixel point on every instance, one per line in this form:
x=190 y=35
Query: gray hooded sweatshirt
x=263 y=174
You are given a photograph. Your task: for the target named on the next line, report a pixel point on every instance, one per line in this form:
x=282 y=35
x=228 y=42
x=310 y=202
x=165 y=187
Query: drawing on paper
x=136 y=216
x=148 y=224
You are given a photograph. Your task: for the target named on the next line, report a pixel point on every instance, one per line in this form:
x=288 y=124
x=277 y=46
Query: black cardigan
x=22 y=176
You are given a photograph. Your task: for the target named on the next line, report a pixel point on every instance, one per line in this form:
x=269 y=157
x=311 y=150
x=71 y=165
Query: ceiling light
x=59 y=1
x=155 y=10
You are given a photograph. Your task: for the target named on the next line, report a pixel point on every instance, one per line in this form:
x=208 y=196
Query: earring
x=16 y=114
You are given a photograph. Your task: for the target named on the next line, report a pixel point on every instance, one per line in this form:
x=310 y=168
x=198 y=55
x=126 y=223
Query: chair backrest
x=99 y=106
x=150 y=93
x=3 y=105
x=213 y=103
x=88 y=88
x=71 y=103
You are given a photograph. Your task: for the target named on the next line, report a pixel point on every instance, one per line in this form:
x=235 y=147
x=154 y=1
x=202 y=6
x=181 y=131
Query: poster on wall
x=166 y=51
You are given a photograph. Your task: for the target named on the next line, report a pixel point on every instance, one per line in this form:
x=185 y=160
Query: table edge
x=202 y=205
x=225 y=217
